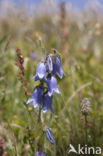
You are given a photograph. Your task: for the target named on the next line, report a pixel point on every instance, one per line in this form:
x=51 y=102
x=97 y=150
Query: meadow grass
x=82 y=56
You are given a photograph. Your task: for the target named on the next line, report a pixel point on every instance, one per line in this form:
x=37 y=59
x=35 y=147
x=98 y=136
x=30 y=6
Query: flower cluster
x=46 y=72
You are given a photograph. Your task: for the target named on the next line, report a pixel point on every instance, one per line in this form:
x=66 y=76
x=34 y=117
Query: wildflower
x=52 y=85
x=85 y=106
x=49 y=64
x=49 y=135
x=46 y=72
x=54 y=65
x=40 y=71
x=36 y=96
x=57 y=67
x=38 y=153
x=47 y=103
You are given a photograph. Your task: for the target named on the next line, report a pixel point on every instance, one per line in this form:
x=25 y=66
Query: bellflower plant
x=46 y=73
x=43 y=93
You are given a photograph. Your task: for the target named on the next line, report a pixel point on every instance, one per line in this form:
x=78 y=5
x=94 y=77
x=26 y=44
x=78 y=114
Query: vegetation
x=78 y=37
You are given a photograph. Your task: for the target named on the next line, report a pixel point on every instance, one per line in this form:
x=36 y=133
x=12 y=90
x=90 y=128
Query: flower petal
x=49 y=64
x=52 y=85
x=36 y=78
x=57 y=67
x=29 y=100
x=40 y=71
x=47 y=103
x=36 y=96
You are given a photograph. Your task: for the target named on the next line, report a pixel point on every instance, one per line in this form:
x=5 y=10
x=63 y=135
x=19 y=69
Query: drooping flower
x=49 y=136
x=57 y=67
x=38 y=153
x=52 y=85
x=49 y=64
x=47 y=103
x=46 y=72
x=36 y=96
x=40 y=71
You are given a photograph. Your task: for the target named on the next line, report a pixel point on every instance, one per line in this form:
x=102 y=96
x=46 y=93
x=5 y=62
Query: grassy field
x=78 y=37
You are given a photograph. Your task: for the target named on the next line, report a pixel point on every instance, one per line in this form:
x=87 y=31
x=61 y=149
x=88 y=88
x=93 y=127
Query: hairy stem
x=39 y=116
x=86 y=135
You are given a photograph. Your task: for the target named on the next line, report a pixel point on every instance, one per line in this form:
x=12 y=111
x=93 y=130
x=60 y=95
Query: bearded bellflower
x=46 y=72
x=52 y=85
x=47 y=103
x=36 y=96
x=43 y=93
x=40 y=71
x=57 y=67
x=54 y=65
x=49 y=64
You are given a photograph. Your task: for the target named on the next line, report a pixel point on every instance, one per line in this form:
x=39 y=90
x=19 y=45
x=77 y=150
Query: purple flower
x=57 y=67
x=38 y=153
x=47 y=103
x=36 y=96
x=49 y=64
x=52 y=85
x=49 y=135
x=40 y=71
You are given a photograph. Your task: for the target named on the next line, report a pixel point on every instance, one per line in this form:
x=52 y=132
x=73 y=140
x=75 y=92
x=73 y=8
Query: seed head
x=85 y=106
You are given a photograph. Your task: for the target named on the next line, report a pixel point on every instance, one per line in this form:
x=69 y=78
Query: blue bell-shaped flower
x=52 y=85
x=47 y=103
x=49 y=64
x=36 y=96
x=57 y=67
x=40 y=71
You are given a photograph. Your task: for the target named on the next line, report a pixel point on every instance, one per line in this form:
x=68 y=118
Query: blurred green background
x=78 y=36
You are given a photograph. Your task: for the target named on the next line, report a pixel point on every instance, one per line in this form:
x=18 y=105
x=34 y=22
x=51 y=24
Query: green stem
x=39 y=116
x=86 y=135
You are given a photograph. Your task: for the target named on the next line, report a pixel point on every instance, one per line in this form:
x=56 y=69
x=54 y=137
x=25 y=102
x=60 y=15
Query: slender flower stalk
x=64 y=31
x=85 y=110
x=39 y=116
x=86 y=134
